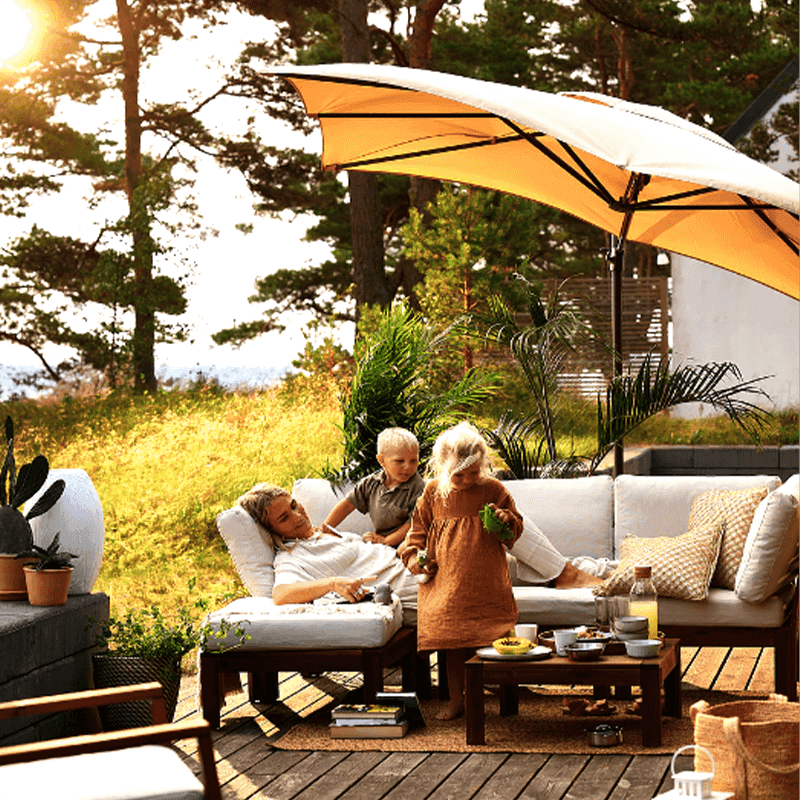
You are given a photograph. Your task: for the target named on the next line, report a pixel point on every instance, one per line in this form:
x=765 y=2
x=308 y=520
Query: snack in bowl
x=512 y=645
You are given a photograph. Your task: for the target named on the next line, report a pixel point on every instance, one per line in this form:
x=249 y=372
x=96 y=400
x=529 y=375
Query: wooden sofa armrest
x=161 y=732
x=89 y=699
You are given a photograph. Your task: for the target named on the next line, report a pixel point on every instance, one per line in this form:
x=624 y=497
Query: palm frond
x=633 y=398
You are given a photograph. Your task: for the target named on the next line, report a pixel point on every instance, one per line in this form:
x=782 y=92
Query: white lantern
x=78 y=516
x=690 y=784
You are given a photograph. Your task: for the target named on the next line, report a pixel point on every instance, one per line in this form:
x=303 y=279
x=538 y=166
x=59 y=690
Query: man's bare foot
x=573 y=578
x=450 y=712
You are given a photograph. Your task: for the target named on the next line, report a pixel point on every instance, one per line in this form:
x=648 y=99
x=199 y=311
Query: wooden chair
x=121 y=764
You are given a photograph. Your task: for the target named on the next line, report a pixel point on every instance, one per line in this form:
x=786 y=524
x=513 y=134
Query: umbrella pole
x=615 y=260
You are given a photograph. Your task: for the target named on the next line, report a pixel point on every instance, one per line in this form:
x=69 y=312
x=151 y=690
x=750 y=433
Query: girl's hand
x=501 y=513
x=414 y=567
x=351 y=588
x=373 y=537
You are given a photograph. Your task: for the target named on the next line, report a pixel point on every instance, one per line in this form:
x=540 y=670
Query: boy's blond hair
x=458 y=448
x=391 y=440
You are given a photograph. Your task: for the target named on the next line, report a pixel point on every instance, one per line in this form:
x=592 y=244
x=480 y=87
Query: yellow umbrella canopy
x=638 y=172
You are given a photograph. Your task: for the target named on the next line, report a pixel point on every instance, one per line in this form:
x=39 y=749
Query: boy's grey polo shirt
x=388 y=508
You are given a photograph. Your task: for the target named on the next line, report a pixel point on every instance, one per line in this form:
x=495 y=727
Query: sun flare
x=15 y=31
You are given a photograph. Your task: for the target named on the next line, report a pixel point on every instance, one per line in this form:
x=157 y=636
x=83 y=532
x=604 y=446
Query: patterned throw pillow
x=735 y=509
x=682 y=566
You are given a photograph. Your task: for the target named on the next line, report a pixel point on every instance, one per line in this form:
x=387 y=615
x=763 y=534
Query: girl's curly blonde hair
x=455 y=449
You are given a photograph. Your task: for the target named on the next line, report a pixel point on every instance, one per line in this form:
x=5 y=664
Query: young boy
x=388 y=495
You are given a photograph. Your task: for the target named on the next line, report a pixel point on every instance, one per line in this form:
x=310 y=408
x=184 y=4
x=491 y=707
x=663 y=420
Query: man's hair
x=390 y=440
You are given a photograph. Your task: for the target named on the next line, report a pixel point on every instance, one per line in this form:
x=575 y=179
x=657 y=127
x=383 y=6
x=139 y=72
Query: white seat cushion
x=318 y=498
x=647 y=506
x=576 y=515
x=565 y=607
x=308 y=626
x=150 y=772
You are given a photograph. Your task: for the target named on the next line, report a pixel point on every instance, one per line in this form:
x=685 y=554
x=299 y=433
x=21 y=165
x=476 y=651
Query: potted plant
x=16 y=536
x=47 y=578
x=144 y=644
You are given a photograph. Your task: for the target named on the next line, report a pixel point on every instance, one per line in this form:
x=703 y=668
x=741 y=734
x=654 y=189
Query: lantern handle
x=694 y=747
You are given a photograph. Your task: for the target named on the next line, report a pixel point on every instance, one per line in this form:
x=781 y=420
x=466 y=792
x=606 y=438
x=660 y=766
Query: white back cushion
x=656 y=505
x=574 y=514
x=318 y=498
x=770 y=550
x=251 y=549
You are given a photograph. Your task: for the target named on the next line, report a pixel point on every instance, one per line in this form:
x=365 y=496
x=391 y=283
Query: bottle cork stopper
x=642 y=571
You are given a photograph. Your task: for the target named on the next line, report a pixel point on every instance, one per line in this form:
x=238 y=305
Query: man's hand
x=351 y=588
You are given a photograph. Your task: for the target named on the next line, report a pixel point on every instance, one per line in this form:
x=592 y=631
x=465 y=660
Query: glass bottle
x=643 y=600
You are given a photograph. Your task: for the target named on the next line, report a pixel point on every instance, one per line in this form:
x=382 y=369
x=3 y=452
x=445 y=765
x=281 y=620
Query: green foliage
x=50 y=557
x=149 y=633
x=633 y=398
x=391 y=389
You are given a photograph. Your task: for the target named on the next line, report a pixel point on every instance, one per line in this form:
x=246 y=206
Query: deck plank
x=706 y=666
x=737 y=669
x=641 y=779
x=344 y=775
x=384 y=777
x=293 y=781
x=426 y=777
x=763 y=677
x=468 y=778
x=553 y=780
x=598 y=778
x=512 y=776
x=248 y=782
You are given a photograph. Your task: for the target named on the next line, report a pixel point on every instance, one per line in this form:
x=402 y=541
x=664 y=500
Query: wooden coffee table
x=617 y=670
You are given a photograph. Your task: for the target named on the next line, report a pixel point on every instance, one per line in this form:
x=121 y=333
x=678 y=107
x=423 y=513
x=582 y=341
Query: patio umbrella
x=638 y=172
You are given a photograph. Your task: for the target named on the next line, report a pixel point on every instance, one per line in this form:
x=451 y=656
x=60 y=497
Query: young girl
x=468 y=602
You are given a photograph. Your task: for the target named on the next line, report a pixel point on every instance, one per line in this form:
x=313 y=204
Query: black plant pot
x=112 y=670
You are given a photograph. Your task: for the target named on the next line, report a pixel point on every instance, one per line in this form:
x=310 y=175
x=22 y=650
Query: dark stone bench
x=46 y=650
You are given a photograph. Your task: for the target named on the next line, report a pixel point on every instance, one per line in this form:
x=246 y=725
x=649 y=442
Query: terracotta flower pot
x=12 y=578
x=47 y=587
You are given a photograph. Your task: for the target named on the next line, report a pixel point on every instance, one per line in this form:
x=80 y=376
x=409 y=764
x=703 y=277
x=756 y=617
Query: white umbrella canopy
x=638 y=172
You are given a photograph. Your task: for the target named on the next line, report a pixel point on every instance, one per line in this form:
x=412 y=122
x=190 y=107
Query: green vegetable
x=492 y=524
x=422 y=558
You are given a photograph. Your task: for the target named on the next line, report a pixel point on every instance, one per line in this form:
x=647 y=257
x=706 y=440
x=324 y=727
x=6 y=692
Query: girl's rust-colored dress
x=468 y=602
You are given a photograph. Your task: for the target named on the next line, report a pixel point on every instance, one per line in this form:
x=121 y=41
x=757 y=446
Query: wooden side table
x=618 y=670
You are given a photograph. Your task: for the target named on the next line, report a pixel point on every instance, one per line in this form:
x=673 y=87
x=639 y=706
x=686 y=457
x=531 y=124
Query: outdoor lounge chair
x=132 y=764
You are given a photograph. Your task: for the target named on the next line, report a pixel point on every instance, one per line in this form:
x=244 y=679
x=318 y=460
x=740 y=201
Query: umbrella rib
x=590 y=183
x=589 y=174
x=403 y=115
x=429 y=152
x=771 y=225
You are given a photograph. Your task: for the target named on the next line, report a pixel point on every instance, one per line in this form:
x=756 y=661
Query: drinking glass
x=602 y=612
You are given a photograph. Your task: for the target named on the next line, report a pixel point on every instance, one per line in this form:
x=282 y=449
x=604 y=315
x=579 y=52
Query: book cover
x=370 y=711
x=409 y=706
x=391 y=730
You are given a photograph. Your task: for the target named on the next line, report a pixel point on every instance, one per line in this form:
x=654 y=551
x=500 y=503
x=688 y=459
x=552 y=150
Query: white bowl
x=630 y=637
x=643 y=648
x=630 y=624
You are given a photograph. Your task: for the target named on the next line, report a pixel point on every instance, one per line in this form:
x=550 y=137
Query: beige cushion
x=682 y=566
x=770 y=551
x=735 y=509
x=251 y=549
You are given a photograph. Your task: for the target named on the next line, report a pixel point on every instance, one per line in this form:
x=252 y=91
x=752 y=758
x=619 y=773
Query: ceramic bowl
x=630 y=624
x=629 y=637
x=643 y=648
x=511 y=645
x=584 y=651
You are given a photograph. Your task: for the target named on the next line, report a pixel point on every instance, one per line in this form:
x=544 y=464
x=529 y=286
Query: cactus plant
x=17 y=488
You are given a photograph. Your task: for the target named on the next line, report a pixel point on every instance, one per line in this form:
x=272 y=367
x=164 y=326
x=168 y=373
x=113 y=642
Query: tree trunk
x=366 y=222
x=143 y=302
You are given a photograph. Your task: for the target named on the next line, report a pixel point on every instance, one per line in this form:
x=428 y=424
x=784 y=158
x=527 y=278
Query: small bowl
x=584 y=651
x=630 y=624
x=512 y=645
x=643 y=648
x=630 y=637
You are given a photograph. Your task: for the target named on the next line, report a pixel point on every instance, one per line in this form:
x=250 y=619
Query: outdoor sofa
x=584 y=517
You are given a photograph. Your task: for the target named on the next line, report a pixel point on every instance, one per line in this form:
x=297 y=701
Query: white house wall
x=720 y=316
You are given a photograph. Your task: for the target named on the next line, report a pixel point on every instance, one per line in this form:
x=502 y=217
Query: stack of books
x=368 y=721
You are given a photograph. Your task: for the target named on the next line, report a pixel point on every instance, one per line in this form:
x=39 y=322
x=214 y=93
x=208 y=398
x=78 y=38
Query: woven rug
x=540 y=727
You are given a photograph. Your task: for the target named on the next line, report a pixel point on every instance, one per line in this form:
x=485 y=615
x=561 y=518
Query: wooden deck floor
x=250 y=767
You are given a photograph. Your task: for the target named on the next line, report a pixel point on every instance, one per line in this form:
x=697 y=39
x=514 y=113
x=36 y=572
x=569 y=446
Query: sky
x=226 y=265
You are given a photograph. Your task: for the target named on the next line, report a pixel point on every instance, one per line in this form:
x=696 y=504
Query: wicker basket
x=755 y=746
x=110 y=670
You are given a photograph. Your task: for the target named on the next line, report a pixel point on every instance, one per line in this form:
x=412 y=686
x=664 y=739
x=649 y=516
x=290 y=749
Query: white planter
x=78 y=516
